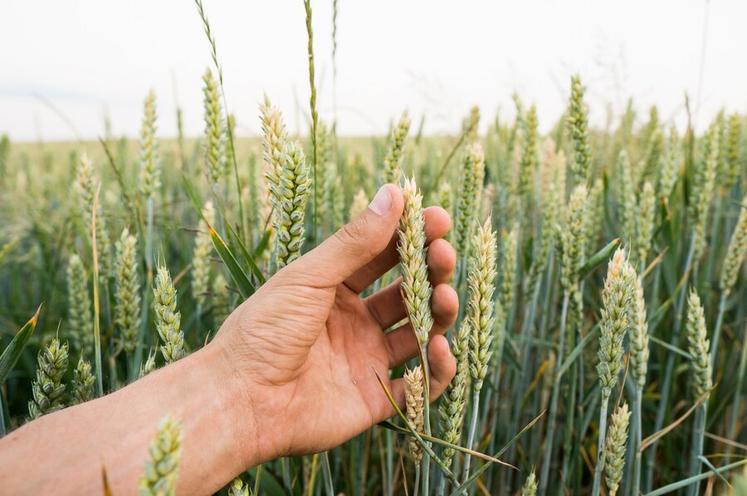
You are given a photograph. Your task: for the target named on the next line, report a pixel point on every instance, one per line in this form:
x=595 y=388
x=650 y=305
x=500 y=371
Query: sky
x=65 y=65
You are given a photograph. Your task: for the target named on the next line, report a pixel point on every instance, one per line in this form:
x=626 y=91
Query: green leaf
x=14 y=349
x=598 y=258
x=235 y=240
x=243 y=284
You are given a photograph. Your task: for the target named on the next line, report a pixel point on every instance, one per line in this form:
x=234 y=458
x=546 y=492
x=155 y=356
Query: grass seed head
x=416 y=288
x=698 y=346
x=162 y=465
x=48 y=390
x=618 y=311
x=414 y=400
x=168 y=319
x=614 y=452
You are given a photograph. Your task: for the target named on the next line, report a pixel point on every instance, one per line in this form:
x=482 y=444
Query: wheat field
x=600 y=342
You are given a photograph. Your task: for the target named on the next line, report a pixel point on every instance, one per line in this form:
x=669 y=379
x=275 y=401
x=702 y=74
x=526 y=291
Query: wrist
x=259 y=436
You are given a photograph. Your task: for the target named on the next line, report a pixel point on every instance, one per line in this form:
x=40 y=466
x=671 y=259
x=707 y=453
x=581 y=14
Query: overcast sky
x=83 y=58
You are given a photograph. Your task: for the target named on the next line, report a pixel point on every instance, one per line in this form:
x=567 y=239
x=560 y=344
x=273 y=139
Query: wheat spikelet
x=274 y=139
x=289 y=196
x=736 y=251
x=732 y=152
x=578 y=122
x=85 y=188
x=594 y=215
x=571 y=233
x=168 y=319
x=668 y=167
x=703 y=186
x=618 y=310
x=416 y=288
x=639 y=337
x=221 y=299
x=414 y=400
x=509 y=245
x=359 y=205
x=82 y=382
x=162 y=466
x=698 y=346
x=80 y=314
x=645 y=228
x=628 y=210
x=530 y=485
x=529 y=156
x=238 y=488
x=215 y=133
x=471 y=124
x=480 y=289
x=614 y=453
x=469 y=196
x=48 y=390
x=127 y=291
x=454 y=400
x=150 y=167
x=393 y=158
x=201 y=256
x=149 y=365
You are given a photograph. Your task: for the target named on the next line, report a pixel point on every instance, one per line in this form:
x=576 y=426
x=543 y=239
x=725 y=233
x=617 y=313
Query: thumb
x=358 y=242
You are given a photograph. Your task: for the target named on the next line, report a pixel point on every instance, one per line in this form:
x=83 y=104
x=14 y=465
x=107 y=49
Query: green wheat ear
x=578 y=122
x=48 y=390
x=238 y=488
x=83 y=380
x=618 y=311
x=395 y=154
x=215 y=130
x=530 y=485
x=414 y=399
x=150 y=167
x=416 y=288
x=698 y=346
x=168 y=319
x=617 y=439
x=127 y=291
x=162 y=467
x=80 y=313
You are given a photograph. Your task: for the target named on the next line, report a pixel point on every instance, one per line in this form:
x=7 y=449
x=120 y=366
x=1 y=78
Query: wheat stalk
x=480 y=288
x=618 y=310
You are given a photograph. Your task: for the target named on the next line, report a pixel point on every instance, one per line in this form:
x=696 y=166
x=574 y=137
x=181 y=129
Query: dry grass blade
x=666 y=430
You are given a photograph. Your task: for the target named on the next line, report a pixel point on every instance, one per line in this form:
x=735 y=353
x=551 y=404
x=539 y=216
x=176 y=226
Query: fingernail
x=382 y=202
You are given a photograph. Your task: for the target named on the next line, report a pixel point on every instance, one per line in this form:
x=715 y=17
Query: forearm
x=65 y=451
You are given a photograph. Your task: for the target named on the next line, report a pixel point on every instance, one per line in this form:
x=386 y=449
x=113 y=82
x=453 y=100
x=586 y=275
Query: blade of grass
x=598 y=259
x=472 y=478
x=674 y=486
x=13 y=351
x=425 y=446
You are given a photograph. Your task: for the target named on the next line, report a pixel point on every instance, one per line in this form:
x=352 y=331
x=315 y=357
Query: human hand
x=306 y=344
